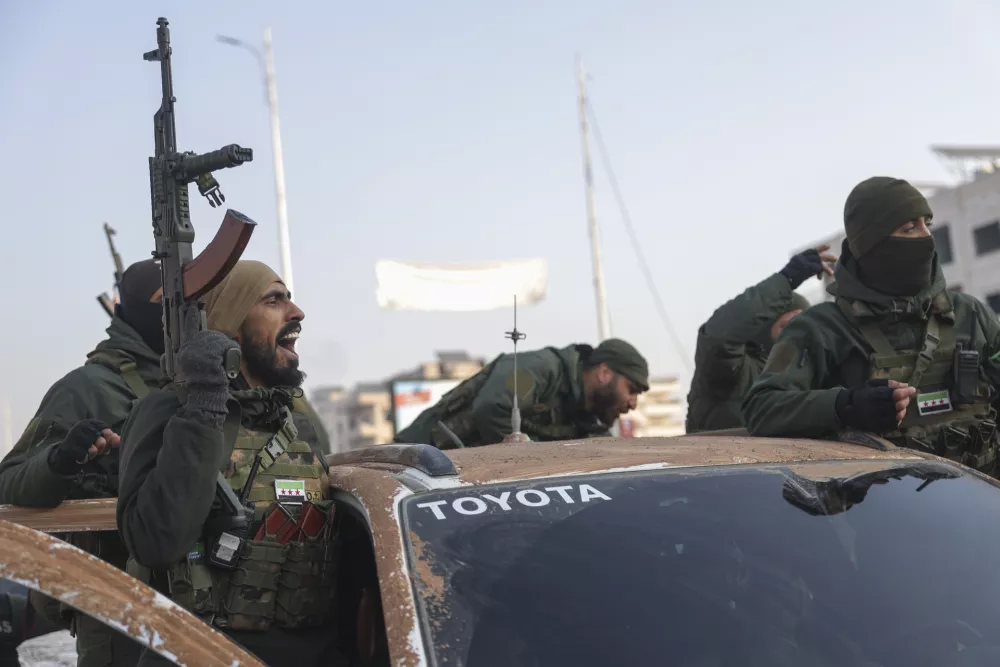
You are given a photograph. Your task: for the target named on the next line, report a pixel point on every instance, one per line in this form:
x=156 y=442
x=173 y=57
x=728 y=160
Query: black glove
x=869 y=407
x=68 y=456
x=802 y=267
x=200 y=363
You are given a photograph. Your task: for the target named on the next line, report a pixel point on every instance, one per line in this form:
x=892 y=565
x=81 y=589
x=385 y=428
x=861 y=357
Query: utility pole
x=603 y=316
x=267 y=68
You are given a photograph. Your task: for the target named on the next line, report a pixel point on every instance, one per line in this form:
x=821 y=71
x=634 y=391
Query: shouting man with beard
x=179 y=439
x=895 y=354
x=574 y=392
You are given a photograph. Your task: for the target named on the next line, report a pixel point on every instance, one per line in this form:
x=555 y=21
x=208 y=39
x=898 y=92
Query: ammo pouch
x=251 y=590
x=307 y=584
x=288 y=585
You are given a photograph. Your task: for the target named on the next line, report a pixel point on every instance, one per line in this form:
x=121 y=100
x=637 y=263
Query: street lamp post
x=266 y=63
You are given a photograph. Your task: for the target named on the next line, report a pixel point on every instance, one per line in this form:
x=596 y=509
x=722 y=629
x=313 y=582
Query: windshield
x=819 y=564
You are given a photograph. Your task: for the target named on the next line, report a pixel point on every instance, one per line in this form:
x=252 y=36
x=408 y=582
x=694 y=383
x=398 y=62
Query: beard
x=262 y=361
x=606 y=402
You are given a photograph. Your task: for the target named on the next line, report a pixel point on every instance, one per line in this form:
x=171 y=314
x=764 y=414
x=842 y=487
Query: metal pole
x=284 y=240
x=8 y=428
x=603 y=316
x=267 y=70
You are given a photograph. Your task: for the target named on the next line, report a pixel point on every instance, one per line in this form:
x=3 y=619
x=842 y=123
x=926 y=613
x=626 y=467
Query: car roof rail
x=865 y=439
x=848 y=436
x=425 y=458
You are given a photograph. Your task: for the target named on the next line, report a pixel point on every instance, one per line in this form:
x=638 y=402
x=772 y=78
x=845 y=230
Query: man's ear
x=604 y=373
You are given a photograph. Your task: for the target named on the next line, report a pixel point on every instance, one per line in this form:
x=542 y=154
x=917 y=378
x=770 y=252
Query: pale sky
x=448 y=131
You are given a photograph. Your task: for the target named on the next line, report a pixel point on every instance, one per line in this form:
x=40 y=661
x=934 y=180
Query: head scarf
x=228 y=303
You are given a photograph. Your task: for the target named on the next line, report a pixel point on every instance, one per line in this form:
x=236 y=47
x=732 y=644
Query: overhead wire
x=627 y=221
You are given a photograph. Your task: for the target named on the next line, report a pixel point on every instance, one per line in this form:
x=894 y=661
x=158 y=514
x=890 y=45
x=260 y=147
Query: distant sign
x=411 y=397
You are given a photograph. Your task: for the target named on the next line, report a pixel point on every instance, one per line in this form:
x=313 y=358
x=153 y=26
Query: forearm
x=771 y=411
x=169 y=498
x=29 y=481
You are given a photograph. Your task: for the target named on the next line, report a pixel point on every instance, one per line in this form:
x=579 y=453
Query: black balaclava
x=139 y=282
x=891 y=265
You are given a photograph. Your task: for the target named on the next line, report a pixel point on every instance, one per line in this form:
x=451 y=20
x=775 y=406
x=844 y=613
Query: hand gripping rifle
x=186 y=278
x=106 y=303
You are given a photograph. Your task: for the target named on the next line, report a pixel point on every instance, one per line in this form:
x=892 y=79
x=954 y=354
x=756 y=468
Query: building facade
x=365 y=414
x=966 y=227
x=359 y=417
x=659 y=412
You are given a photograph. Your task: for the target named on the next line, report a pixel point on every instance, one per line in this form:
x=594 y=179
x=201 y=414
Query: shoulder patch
x=782 y=356
x=525 y=384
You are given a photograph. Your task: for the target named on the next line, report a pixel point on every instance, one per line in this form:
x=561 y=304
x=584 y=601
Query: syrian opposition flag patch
x=929 y=404
x=292 y=490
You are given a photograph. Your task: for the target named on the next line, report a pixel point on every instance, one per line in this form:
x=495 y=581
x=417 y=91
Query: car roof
x=516 y=461
x=509 y=462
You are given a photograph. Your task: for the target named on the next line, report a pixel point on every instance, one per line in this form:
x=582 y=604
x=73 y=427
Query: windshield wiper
x=833 y=496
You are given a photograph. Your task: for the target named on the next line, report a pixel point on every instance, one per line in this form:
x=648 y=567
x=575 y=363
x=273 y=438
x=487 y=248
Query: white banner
x=460 y=287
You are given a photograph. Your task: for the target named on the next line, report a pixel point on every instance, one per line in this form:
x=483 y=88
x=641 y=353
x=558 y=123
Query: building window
x=994 y=301
x=956 y=289
x=987 y=237
x=942 y=241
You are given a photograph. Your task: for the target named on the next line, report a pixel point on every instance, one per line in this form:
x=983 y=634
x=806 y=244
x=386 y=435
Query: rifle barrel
x=224 y=158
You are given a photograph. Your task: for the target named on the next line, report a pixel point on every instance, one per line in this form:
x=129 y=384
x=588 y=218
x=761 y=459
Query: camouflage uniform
x=173 y=460
x=550 y=396
x=836 y=352
x=275 y=597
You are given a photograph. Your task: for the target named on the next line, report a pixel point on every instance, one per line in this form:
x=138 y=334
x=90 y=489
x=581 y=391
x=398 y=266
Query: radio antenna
x=515 y=412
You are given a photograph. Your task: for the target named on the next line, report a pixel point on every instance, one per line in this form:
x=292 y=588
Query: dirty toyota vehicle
x=703 y=550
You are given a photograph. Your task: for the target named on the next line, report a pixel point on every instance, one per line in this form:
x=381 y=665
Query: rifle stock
x=115 y=257
x=106 y=304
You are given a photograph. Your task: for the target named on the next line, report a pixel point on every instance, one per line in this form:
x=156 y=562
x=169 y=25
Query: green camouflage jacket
x=478 y=411
x=732 y=348
x=97 y=390
x=822 y=351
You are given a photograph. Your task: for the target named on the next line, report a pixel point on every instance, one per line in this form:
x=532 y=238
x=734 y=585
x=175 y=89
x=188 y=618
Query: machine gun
x=186 y=278
x=106 y=302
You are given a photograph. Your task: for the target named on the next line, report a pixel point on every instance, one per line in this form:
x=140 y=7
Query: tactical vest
x=546 y=421
x=288 y=585
x=124 y=365
x=934 y=421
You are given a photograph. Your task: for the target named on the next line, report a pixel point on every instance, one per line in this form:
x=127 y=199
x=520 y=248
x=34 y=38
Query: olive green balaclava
x=876 y=208
x=891 y=265
x=622 y=358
